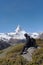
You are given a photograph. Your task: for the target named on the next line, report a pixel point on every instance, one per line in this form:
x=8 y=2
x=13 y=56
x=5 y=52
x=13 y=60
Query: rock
x=29 y=53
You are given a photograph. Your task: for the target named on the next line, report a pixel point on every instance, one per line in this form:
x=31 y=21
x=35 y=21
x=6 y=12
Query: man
x=27 y=44
x=30 y=42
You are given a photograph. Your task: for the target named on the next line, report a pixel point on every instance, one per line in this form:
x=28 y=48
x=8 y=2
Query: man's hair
x=26 y=35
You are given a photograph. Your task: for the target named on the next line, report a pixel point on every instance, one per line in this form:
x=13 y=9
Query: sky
x=27 y=13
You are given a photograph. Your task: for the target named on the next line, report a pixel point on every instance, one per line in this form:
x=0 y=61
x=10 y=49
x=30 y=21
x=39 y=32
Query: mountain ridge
x=19 y=34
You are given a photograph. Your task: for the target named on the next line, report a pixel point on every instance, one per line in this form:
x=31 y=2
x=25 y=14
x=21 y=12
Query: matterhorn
x=18 y=34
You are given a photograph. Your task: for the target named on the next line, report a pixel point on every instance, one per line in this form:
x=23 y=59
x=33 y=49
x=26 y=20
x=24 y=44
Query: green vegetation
x=1 y=51
x=13 y=56
x=39 y=42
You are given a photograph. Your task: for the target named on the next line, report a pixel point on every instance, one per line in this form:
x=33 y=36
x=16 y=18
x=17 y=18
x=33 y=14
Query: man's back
x=28 y=41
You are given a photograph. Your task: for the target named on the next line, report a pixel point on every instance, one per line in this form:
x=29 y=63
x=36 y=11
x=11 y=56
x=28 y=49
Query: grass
x=39 y=42
x=1 y=51
x=13 y=56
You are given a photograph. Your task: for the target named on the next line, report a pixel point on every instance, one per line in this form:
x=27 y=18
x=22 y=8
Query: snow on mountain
x=18 y=29
x=35 y=35
x=18 y=34
x=4 y=37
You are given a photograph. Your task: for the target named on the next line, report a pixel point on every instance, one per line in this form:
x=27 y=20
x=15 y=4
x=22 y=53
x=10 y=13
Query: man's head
x=26 y=35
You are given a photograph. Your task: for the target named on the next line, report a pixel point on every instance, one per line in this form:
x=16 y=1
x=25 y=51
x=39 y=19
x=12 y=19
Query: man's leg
x=23 y=49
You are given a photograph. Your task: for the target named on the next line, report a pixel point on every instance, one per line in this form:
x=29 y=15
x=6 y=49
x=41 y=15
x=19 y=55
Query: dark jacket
x=28 y=41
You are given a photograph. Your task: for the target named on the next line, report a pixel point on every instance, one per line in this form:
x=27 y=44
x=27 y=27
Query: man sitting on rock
x=30 y=42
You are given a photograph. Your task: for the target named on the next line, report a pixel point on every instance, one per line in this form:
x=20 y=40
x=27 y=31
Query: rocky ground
x=29 y=53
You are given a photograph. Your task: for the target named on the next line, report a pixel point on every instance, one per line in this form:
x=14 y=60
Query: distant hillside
x=16 y=41
x=3 y=44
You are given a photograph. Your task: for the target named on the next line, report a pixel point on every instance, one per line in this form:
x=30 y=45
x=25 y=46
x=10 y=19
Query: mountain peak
x=18 y=29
